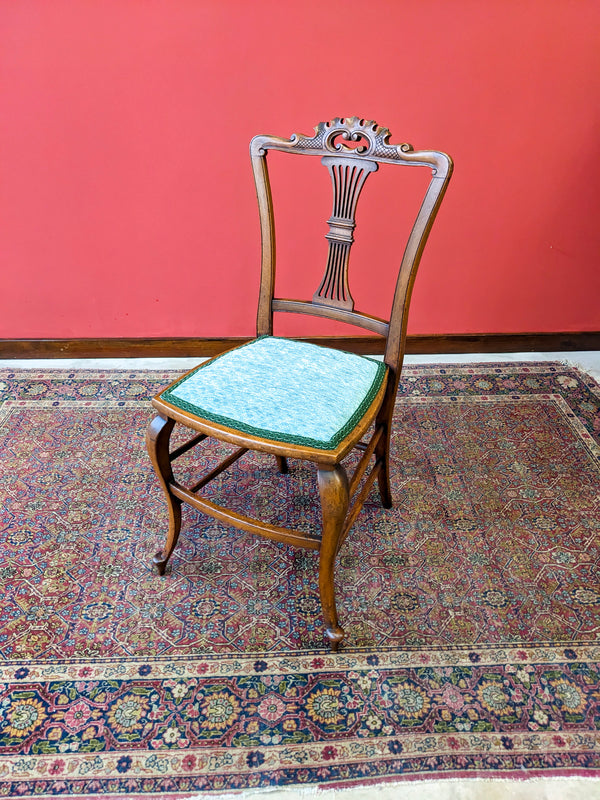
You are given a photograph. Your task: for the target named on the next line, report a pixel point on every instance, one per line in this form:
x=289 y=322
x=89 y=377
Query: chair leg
x=282 y=464
x=333 y=488
x=158 y=435
x=382 y=453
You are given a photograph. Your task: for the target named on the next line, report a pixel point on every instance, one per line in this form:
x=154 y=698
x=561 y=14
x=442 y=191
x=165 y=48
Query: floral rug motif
x=472 y=607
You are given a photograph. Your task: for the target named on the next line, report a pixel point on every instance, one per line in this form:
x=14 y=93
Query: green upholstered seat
x=282 y=390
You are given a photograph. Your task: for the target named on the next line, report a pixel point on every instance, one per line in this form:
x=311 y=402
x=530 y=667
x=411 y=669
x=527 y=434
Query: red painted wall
x=126 y=199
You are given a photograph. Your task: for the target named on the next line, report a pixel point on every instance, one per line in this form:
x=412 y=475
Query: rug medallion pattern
x=472 y=607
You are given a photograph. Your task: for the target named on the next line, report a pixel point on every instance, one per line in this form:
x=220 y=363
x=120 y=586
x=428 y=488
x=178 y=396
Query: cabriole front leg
x=158 y=435
x=333 y=488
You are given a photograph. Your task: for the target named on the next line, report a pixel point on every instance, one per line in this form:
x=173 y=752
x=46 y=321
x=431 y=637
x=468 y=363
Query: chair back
x=349 y=168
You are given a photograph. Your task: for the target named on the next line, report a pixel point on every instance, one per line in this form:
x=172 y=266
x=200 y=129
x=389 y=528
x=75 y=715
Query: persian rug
x=471 y=607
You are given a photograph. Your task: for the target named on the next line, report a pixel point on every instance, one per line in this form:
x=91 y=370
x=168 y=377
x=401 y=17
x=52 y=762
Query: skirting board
x=368 y=345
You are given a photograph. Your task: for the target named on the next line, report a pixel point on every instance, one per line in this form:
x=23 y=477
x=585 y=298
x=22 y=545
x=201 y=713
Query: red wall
x=123 y=139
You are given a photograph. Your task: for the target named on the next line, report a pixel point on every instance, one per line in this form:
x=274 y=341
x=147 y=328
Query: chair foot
x=385 y=491
x=159 y=560
x=335 y=636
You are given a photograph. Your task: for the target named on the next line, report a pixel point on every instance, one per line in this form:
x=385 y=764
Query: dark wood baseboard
x=169 y=348
x=503 y=342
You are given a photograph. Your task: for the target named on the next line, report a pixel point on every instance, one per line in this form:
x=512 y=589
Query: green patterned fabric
x=283 y=390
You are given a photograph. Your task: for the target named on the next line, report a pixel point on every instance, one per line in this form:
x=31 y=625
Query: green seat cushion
x=282 y=390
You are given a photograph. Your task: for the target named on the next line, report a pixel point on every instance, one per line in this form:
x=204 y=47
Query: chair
x=293 y=399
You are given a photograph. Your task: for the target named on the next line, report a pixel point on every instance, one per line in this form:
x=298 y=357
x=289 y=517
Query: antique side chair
x=293 y=399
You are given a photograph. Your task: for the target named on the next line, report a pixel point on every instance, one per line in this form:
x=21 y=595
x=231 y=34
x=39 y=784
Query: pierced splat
x=348 y=176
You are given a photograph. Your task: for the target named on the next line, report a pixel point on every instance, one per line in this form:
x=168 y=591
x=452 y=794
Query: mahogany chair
x=293 y=399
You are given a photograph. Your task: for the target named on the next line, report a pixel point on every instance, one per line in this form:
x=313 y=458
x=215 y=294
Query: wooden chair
x=294 y=399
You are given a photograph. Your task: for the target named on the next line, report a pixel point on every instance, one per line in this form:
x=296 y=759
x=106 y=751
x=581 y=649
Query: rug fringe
x=555 y=788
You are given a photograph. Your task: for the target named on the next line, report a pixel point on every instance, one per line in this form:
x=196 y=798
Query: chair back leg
x=282 y=464
x=382 y=453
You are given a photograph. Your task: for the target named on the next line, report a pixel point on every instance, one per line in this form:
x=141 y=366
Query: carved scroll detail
x=331 y=135
x=348 y=176
x=372 y=142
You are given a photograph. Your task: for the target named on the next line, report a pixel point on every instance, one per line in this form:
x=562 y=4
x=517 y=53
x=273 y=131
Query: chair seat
x=282 y=390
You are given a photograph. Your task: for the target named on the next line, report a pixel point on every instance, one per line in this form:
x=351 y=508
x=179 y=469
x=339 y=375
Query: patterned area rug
x=472 y=607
